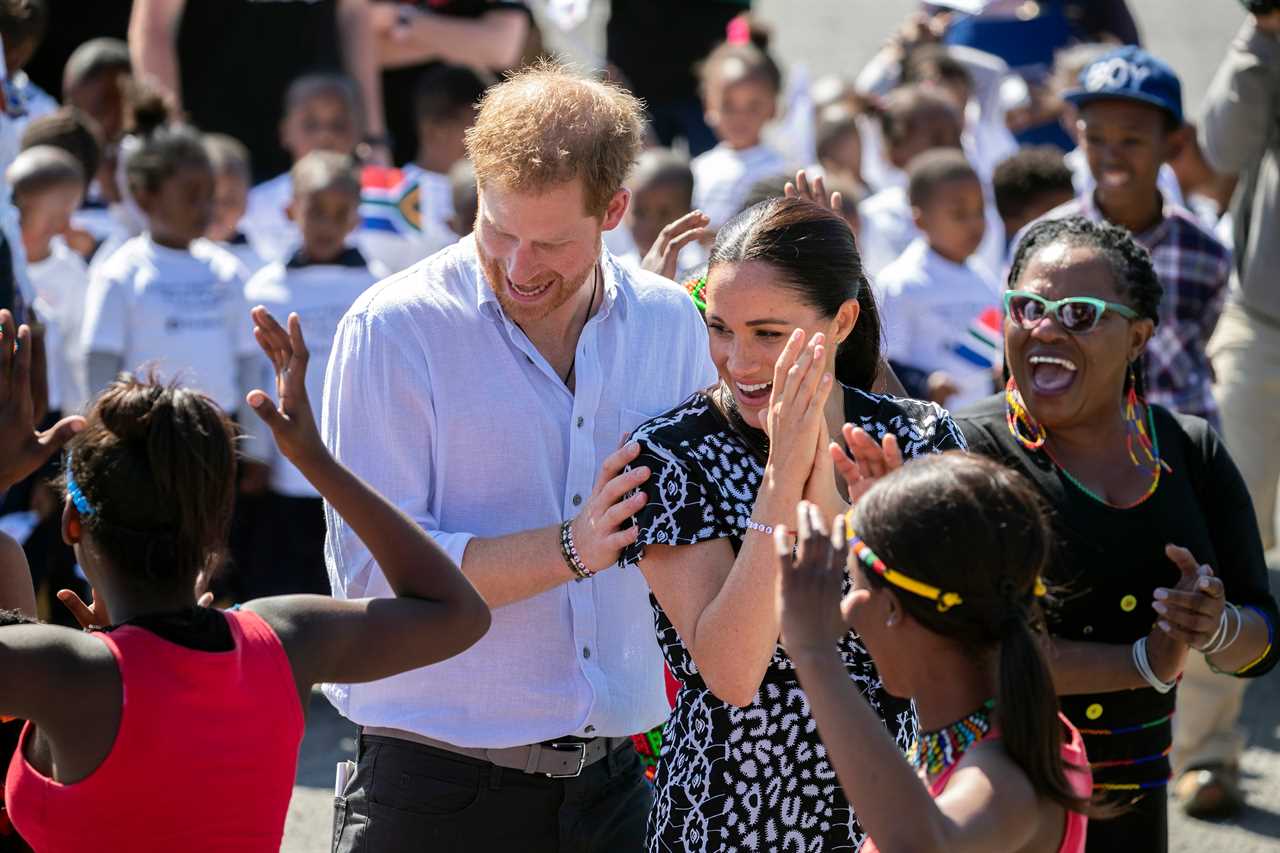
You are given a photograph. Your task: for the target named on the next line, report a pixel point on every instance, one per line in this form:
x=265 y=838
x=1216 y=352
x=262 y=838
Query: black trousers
x=1142 y=828
x=410 y=798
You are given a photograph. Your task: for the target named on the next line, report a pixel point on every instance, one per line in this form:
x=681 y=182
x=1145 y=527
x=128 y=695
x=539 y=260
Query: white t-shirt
x=888 y=228
x=321 y=294
x=723 y=177
x=933 y=312
x=244 y=252
x=60 y=282
x=266 y=221
x=183 y=312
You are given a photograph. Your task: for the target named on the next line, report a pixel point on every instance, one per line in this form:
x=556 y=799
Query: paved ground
x=837 y=36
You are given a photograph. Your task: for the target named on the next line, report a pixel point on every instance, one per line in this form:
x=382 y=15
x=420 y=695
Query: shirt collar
x=350 y=257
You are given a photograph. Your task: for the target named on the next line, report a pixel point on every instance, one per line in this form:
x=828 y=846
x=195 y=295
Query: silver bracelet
x=1226 y=642
x=1143 y=666
x=1212 y=645
x=752 y=524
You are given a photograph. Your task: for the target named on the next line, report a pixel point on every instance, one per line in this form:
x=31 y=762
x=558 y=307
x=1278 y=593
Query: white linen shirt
x=437 y=399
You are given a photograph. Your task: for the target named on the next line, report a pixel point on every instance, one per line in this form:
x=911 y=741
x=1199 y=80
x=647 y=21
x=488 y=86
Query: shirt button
x=586 y=651
x=1094 y=711
x=589 y=729
x=1128 y=603
x=1088 y=629
x=577 y=499
x=580 y=421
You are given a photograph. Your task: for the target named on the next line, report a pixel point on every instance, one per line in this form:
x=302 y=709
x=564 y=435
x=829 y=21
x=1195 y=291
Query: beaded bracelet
x=569 y=551
x=752 y=524
x=1271 y=636
x=1143 y=666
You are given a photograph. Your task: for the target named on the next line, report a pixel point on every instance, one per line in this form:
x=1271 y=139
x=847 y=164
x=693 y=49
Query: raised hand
x=810 y=579
x=291 y=422
x=814 y=191
x=601 y=529
x=93 y=615
x=22 y=448
x=663 y=255
x=801 y=385
x=866 y=461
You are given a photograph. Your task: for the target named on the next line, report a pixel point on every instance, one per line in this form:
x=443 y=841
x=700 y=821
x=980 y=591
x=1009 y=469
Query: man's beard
x=561 y=289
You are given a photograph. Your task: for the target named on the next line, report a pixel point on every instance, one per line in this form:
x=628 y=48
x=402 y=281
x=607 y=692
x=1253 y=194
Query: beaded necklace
x=1017 y=417
x=935 y=752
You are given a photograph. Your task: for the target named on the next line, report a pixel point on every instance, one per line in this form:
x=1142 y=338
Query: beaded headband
x=73 y=489
x=945 y=600
x=697 y=288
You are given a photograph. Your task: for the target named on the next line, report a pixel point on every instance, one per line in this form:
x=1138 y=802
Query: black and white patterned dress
x=754 y=778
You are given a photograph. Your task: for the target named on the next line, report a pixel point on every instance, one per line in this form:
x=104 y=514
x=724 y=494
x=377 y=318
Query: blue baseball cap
x=1132 y=74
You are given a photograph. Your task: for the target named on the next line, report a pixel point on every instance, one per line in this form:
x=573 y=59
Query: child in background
x=47 y=185
x=661 y=187
x=322 y=112
x=740 y=87
x=1028 y=185
x=1130 y=125
x=231 y=179
x=406 y=211
x=932 y=296
x=319 y=283
x=22 y=34
x=840 y=147
x=70 y=130
x=94 y=81
x=170 y=299
x=466 y=198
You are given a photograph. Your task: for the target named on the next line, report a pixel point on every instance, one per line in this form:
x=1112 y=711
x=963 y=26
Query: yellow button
x=1094 y=711
x=1128 y=603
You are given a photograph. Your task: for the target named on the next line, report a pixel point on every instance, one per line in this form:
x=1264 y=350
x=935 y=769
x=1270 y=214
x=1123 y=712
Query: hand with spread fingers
x=291 y=422
x=814 y=191
x=810 y=580
x=1188 y=615
x=865 y=461
x=23 y=449
x=663 y=256
x=603 y=527
x=801 y=385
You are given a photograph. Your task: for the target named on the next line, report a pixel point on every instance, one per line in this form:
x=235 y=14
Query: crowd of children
x=144 y=243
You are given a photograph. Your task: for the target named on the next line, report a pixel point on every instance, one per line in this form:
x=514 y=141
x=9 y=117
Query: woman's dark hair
x=1135 y=276
x=164 y=151
x=997 y=543
x=157 y=465
x=814 y=255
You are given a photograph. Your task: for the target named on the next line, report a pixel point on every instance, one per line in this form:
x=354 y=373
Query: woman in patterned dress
x=795 y=337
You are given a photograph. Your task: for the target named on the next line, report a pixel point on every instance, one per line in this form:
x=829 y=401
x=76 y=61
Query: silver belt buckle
x=582 y=759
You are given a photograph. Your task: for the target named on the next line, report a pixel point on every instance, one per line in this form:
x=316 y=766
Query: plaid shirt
x=1193 y=266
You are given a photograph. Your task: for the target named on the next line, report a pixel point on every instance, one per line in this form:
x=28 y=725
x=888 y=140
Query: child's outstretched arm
x=436 y=614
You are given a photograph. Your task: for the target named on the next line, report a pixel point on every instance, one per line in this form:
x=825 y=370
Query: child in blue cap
x=1130 y=122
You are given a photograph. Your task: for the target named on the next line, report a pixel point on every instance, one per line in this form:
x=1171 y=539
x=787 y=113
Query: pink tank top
x=1078 y=775
x=204 y=758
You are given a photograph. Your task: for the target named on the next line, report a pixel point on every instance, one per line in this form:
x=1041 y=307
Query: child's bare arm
x=437 y=612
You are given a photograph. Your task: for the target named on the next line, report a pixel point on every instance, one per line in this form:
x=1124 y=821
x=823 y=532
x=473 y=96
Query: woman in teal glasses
x=1158 y=553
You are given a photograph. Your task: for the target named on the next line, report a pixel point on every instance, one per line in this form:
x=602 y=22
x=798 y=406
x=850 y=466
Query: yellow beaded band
x=945 y=600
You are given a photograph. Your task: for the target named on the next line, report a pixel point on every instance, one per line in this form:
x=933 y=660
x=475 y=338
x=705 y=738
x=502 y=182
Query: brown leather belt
x=553 y=759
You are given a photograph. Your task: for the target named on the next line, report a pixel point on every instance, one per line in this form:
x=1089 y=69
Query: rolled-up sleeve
x=379 y=421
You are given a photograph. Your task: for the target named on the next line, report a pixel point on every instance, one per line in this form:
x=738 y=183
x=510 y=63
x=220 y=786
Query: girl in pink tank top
x=172 y=726
x=945 y=554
